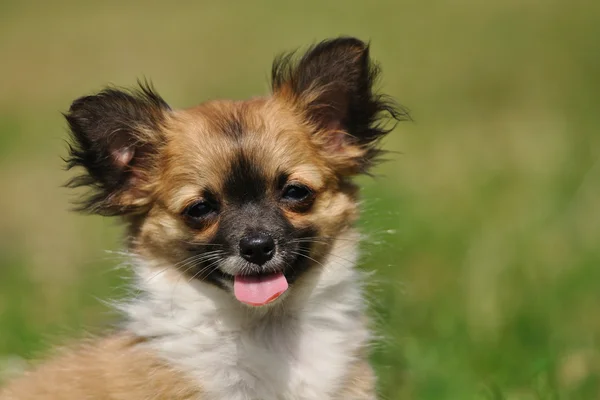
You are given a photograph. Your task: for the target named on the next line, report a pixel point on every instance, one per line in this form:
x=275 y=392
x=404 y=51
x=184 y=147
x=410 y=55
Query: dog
x=240 y=231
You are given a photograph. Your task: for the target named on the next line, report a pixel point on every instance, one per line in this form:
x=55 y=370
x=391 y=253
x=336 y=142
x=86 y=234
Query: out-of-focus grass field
x=485 y=230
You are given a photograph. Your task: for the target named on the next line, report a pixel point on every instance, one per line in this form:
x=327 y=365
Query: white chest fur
x=299 y=349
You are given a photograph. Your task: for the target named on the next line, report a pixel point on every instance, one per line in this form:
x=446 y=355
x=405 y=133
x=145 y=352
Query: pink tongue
x=258 y=291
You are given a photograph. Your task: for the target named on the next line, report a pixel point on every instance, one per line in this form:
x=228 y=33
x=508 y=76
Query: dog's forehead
x=238 y=148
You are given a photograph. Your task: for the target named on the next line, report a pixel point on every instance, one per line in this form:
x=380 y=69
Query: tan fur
x=107 y=369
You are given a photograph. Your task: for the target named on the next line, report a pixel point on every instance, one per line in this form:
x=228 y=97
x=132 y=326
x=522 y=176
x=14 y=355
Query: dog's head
x=246 y=195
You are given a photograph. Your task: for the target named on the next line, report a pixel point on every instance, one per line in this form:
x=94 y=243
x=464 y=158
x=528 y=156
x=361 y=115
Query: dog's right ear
x=115 y=136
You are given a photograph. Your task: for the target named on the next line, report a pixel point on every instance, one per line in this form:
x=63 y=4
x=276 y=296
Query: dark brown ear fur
x=113 y=137
x=332 y=83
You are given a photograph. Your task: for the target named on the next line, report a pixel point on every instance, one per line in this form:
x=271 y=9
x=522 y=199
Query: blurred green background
x=484 y=230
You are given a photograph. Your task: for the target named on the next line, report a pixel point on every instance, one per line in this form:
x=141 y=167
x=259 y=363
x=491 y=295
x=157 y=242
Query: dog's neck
x=301 y=348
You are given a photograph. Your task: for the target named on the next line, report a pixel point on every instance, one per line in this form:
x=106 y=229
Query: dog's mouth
x=261 y=289
x=258 y=286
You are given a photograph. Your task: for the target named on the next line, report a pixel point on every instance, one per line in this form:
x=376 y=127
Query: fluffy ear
x=332 y=85
x=114 y=136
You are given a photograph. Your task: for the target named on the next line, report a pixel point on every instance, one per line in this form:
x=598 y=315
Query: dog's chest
x=276 y=360
x=300 y=351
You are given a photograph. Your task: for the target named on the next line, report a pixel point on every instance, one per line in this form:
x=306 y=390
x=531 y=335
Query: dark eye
x=296 y=193
x=198 y=210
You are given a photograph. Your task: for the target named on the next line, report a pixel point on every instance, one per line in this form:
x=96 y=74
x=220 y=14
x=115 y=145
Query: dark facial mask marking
x=245 y=182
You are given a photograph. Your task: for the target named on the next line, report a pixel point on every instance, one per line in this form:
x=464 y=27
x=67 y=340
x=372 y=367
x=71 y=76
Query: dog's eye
x=296 y=193
x=199 y=210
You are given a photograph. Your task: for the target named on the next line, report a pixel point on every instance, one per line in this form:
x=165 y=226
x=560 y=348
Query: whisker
x=189 y=262
x=195 y=243
x=206 y=269
x=197 y=258
x=334 y=255
x=324 y=239
x=308 y=257
x=158 y=273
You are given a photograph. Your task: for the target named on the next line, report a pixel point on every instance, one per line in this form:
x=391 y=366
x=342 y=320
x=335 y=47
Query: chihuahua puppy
x=240 y=219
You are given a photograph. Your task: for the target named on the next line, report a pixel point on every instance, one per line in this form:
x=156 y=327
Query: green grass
x=484 y=231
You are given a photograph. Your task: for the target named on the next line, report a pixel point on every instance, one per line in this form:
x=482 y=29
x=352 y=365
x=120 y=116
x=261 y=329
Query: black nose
x=257 y=248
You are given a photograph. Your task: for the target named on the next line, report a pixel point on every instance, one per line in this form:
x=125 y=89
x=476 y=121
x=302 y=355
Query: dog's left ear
x=332 y=86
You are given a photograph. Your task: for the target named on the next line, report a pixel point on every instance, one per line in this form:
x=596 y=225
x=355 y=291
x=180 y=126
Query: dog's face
x=244 y=195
